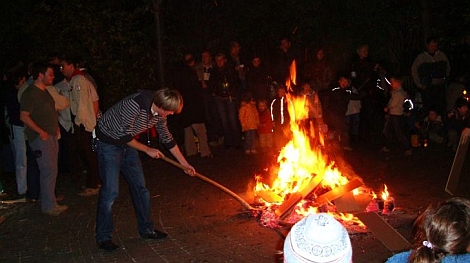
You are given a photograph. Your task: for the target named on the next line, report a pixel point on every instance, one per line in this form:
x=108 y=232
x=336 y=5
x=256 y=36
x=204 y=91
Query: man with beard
x=38 y=113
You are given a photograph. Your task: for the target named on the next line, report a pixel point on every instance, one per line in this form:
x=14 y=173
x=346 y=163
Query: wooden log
x=350 y=203
x=383 y=231
x=286 y=207
x=339 y=191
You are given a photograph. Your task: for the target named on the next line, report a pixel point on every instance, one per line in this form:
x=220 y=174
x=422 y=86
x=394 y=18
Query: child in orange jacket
x=249 y=120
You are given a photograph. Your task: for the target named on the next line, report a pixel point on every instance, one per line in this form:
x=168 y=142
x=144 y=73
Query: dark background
x=119 y=40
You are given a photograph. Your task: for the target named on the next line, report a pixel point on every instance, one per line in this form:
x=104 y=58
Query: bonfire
x=305 y=180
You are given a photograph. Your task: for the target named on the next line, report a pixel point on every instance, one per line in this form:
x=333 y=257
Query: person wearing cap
x=318 y=238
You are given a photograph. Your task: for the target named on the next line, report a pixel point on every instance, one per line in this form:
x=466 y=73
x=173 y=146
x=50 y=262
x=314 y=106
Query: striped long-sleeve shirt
x=132 y=116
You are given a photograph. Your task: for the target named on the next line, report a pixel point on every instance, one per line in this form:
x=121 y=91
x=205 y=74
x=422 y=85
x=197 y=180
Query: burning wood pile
x=305 y=181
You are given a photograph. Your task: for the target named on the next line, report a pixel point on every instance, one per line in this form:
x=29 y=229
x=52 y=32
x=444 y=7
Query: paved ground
x=204 y=223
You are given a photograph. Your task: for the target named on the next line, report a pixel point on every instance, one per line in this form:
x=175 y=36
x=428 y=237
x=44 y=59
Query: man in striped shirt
x=118 y=152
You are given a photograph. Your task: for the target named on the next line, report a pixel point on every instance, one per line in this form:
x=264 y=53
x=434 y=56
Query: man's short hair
x=168 y=99
x=70 y=60
x=460 y=102
x=39 y=67
x=361 y=46
x=431 y=39
x=220 y=55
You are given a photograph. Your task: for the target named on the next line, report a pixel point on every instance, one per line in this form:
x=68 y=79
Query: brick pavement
x=204 y=223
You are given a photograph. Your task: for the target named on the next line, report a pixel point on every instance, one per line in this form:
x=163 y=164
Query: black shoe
x=108 y=245
x=155 y=234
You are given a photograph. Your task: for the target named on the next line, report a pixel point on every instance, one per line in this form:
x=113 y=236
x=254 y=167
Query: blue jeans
x=18 y=143
x=47 y=154
x=112 y=160
x=228 y=110
x=353 y=121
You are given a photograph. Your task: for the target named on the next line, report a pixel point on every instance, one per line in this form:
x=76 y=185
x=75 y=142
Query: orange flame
x=299 y=163
x=293 y=75
x=385 y=194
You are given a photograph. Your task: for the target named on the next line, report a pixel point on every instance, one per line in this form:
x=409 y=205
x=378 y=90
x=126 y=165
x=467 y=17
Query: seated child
x=442 y=234
x=455 y=122
x=431 y=127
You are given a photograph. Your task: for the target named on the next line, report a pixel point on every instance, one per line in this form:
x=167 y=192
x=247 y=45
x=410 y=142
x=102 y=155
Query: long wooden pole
x=221 y=187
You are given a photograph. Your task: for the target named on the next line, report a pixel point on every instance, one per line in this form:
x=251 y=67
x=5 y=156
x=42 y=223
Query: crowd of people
x=51 y=117
x=349 y=103
x=224 y=99
x=45 y=103
x=239 y=100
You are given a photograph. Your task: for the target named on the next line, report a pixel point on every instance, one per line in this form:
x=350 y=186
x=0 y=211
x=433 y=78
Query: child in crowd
x=431 y=127
x=313 y=104
x=353 y=116
x=339 y=101
x=249 y=120
x=265 y=127
x=442 y=234
x=455 y=122
x=396 y=122
x=318 y=238
x=281 y=118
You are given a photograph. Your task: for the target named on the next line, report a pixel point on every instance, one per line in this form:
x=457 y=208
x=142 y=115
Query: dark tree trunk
x=425 y=18
x=157 y=8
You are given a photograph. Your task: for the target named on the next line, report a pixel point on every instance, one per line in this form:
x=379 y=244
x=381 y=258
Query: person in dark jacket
x=226 y=87
x=192 y=116
x=338 y=105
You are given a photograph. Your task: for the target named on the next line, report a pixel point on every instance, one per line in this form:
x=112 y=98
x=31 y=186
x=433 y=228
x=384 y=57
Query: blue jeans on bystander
x=228 y=110
x=18 y=143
